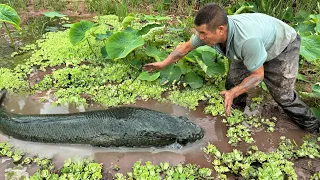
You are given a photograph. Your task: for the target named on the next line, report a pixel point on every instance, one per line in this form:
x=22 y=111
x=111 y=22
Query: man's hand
x=248 y=83
x=154 y=66
x=229 y=95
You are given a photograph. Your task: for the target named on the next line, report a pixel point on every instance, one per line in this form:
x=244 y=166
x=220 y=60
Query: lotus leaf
x=316 y=88
x=156 y=53
x=184 y=66
x=136 y=64
x=316 y=19
x=131 y=30
x=145 y=29
x=104 y=53
x=205 y=58
x=9 y=15
x=127 y=20
x=54 y=14
x=193 y=80
x=120 y=44
x=149 y=77
x=78 y=31
x=100 y=37
x=310 y=46
x=170 y=73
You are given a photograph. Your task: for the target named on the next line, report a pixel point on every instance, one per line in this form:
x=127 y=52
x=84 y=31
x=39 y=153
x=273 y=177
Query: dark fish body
x=121 y=126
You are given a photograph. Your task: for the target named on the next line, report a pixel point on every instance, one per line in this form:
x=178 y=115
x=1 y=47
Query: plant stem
x=91 y=48
x=9 y=34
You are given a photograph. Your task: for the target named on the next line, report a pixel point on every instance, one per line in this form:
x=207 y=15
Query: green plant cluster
x=88 y=169
x=11 y=81
x=256 y=164
x=190 y=98
x=97 y=71
x=72 y=169
x=258 y=122
x=240 y=125
x=165 y=171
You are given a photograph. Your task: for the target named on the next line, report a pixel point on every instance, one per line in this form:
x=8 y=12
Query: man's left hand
x=229 y=95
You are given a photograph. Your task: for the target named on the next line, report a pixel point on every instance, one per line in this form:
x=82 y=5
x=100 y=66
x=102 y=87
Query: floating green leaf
x=104 y=53
x=156 y=53
x=316 y=88
x=193 y=80
x=127 y=20
x=310 y=46
x=205 y=57
x=120 y=44
x=78 y=31
x=302 y=77
x=136 y=64
x=316 y=19
x=184 y=66
x=54 y=14
x=100 y=37
x=149 y=77
x=171 y=73
x=9 y=15
x=145 y=29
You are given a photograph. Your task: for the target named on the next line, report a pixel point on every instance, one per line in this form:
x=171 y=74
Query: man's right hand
x=154 y=66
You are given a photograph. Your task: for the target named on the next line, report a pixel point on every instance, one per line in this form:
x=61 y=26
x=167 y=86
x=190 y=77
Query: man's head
x=211 y=24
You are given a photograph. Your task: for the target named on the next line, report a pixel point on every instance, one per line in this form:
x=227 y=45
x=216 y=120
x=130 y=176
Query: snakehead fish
x=120 y=126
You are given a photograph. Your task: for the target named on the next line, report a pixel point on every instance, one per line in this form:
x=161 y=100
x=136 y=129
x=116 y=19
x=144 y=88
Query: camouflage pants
x=279 y=76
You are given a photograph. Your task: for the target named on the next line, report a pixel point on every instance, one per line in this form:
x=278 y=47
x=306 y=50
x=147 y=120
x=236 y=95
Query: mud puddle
x=215 y=132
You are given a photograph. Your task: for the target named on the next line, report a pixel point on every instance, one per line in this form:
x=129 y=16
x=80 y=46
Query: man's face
x=209 y=37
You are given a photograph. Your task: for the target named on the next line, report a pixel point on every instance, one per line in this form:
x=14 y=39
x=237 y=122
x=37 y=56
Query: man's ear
x=221 y=29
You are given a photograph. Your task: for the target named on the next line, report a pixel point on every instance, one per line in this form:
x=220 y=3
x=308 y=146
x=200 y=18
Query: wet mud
x=215 y=132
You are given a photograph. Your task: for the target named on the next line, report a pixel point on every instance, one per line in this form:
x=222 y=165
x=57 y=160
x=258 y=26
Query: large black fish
x=121 y=126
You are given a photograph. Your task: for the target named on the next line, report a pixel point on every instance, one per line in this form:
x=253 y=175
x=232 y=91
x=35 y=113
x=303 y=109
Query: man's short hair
x=212 y=15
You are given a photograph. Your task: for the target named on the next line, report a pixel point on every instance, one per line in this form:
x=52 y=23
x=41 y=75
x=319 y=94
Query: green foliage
x=190 y=98
x=12 y=81
x=9 y=15
x=309 y=47
x=165 y=171
x=53 y=14
x=120 y=44
x=78 y=31
x=149 y=77
x=119 y=8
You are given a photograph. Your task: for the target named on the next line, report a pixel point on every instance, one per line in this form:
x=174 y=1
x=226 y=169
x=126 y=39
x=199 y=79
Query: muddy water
x=215 y=132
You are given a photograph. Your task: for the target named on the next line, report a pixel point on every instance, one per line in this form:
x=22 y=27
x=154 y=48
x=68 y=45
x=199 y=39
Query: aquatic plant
x=9 y=15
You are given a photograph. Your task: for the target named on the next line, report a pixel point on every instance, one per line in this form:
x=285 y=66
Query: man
x=261 y=48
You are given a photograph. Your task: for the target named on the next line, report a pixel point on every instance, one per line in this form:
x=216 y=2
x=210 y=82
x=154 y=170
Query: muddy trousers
x=279 y=76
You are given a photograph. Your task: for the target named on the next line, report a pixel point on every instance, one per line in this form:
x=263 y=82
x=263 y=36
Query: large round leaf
x=145 y=29
x=193 y=80
x=149 y=77
x=120 y=44
x=171 y=73
x=127 y=20
x=78 y=31
x=54 y=14
x=9 y=15
x=310 y=46
x=157 y=54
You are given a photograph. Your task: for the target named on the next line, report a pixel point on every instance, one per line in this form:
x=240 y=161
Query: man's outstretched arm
x=174 y=56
